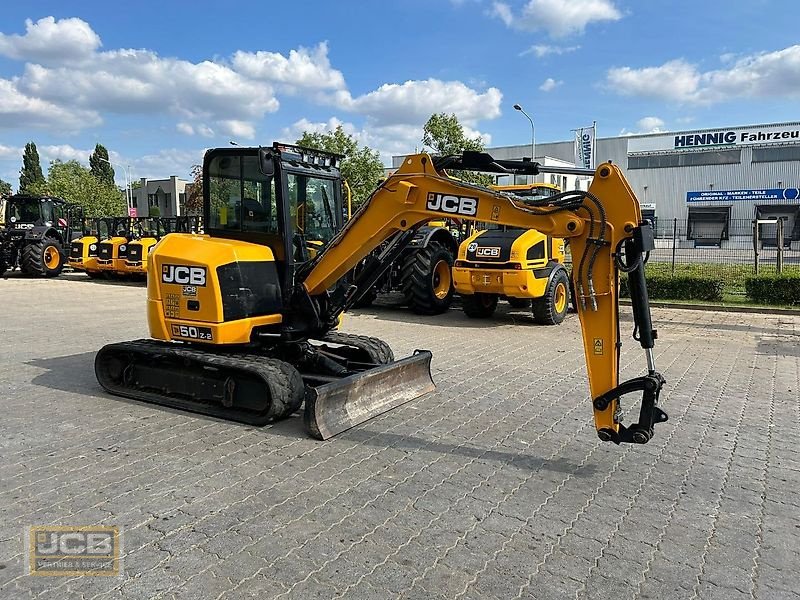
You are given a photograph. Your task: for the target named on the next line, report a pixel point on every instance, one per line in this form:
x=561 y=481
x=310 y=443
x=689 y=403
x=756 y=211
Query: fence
x=728 y=251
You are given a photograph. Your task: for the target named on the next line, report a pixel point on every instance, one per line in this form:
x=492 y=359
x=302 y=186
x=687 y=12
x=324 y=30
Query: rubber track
x=417 y=273
x=284 y=381
x=379 y=350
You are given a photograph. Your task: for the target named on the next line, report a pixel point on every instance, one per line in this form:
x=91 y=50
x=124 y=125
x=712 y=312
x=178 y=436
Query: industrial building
x=713 y=182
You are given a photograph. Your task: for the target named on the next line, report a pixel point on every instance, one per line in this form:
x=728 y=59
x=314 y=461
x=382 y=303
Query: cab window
x=241 y=197
x=312 y=207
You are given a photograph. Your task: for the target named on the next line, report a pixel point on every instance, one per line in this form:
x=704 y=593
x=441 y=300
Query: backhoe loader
x=244 y=320
x=522 y=266
x=83 y=250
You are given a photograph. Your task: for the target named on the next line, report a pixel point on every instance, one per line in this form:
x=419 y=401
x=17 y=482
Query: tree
x=443 y=134
x=76 y=184
x=361 y=166
x=101 y=168
x=194 y=192
x=31 y=172
x=5 y=188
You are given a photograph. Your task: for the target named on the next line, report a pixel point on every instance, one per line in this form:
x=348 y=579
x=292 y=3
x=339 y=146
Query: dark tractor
x=35 y=232
x=423 y=271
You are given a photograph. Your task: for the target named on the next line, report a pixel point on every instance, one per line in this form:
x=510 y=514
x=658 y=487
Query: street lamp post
x=533 y=131
x=128 y=182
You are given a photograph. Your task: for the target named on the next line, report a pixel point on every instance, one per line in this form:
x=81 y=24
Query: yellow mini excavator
x=244 y=318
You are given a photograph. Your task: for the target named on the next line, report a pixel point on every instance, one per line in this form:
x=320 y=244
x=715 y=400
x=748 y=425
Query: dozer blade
x=337 y=406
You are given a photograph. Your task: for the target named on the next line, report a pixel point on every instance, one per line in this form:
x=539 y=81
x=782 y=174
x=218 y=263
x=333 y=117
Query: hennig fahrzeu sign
x=719 y=138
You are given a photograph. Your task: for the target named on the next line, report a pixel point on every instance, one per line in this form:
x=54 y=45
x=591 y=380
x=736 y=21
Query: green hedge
x=678 y=287
x=773 y=289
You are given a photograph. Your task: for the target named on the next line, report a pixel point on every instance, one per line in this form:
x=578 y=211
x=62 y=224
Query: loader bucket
x=336 y=407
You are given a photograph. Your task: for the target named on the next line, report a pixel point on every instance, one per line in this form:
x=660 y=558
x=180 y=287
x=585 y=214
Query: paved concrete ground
x=493 y=487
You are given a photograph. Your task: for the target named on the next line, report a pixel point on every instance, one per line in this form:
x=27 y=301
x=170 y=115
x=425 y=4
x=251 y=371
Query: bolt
x=572 y=226
x=604 y=435
x=605 y=172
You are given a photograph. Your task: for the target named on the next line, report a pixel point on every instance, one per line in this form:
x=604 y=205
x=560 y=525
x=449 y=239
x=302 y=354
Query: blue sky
x=157 y=82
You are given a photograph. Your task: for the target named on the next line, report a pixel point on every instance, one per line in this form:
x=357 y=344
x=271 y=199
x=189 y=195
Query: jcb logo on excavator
x=183 y=275
x=457 y=205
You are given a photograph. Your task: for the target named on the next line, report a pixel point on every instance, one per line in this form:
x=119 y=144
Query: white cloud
x=650 y=124
x=10 y=153
x=63 y=152
x=141 y=82
x=559 y=18
x=550 y=84
x=674 y=80
x=646 y=125
x=162 y=164
x=763 y=75
x=303 y=69
x=51 y=41
x=189 y=129
x=542 y=50
x=18 y=110
x=236 y=128
x=412 y=102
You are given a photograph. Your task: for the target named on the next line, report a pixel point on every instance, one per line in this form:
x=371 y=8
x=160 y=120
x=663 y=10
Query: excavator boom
x=606 y=235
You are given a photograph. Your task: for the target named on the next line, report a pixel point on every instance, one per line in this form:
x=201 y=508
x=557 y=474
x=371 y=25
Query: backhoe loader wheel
x=43 y=259
x=519 y=302
x=551 y=308
x=376 y=350
x=427 y=280
x=479 y=306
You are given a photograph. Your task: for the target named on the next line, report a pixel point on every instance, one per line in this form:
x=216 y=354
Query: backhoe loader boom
x=606 y=235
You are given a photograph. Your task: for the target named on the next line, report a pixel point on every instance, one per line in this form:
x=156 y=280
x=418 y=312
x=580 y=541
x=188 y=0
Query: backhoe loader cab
x=522 y=266
x=113 y=250
x=35 y=233
x=146 y=233
x=83 y=253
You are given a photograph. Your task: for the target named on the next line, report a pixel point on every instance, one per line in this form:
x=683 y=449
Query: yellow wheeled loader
x=522 y=266
x=244 y=329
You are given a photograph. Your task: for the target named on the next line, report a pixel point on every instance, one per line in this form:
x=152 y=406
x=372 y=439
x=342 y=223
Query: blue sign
x=790 y=194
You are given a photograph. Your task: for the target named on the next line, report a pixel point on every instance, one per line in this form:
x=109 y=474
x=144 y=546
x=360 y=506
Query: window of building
x=768 y=232
x=686 y=159
x=182 y=202
x=779 y=154
x=152 y=200
x=708 y=225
